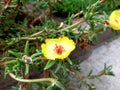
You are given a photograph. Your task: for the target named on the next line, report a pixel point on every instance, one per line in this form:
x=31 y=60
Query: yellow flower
x=115 y=20
x=58 y=48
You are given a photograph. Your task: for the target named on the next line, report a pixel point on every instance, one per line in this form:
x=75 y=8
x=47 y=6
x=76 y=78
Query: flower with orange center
x=115 y=20
x=58 y=48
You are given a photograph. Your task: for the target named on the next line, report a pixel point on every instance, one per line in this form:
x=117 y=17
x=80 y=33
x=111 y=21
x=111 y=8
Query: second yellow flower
x=115 y=20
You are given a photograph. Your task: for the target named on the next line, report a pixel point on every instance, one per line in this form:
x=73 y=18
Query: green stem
x=12 y=61
x=52 y=80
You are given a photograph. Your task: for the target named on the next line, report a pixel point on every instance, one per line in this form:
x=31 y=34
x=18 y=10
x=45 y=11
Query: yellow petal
x=58 y=48
x=115 y=20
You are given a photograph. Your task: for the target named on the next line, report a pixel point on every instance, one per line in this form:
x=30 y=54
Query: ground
x=108 y=53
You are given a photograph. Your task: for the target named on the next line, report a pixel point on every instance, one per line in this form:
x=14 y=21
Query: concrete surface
x=108 y=53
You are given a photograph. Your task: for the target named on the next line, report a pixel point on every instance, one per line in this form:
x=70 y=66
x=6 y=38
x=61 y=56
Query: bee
x=27 y=59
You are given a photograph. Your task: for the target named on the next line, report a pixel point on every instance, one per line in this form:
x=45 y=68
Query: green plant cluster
x=67 y=67
x=25 y=24
x=66 y=7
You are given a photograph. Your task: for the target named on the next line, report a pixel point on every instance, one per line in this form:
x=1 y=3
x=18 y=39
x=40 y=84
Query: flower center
x=59 y=49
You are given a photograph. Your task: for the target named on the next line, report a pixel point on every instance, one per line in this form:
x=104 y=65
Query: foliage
x=67 y=6
x=26 y=24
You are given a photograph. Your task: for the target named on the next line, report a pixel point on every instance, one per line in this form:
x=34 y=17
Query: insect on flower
x=27 y=59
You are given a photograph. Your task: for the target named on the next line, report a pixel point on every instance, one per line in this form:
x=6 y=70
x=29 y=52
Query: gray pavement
x=108 y=53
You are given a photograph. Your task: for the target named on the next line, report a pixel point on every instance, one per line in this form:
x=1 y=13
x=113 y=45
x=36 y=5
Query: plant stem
x=102 y=1
x=96 y=76
x=79 y=76
x=89 y=85
x=37 y=33
x=7 y=62
x=12 y=61
x=81 y=12
x=40 y=17
x=8 y=3
x=52 y=80
x=77 y=14
x=73 y=25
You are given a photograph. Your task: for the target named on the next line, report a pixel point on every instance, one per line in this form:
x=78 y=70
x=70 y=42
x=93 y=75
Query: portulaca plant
x=35 y=44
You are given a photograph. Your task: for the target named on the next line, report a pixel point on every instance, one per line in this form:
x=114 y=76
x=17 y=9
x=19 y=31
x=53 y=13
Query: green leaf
x=70 y=19
x=59 y=85
x=26 y=69
x=26 y=50
x=109 y=68
x=54 y=75
x=24 y=1
x=17 y=54
x=58 y=67
x=49 y=88
x=93 y=37
x=111 y=73
x=49 y=64
x=64 y=69
x=69 y=61
x=91 y=71
x=38 y=51
x=36 y=54
x=9 y=58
